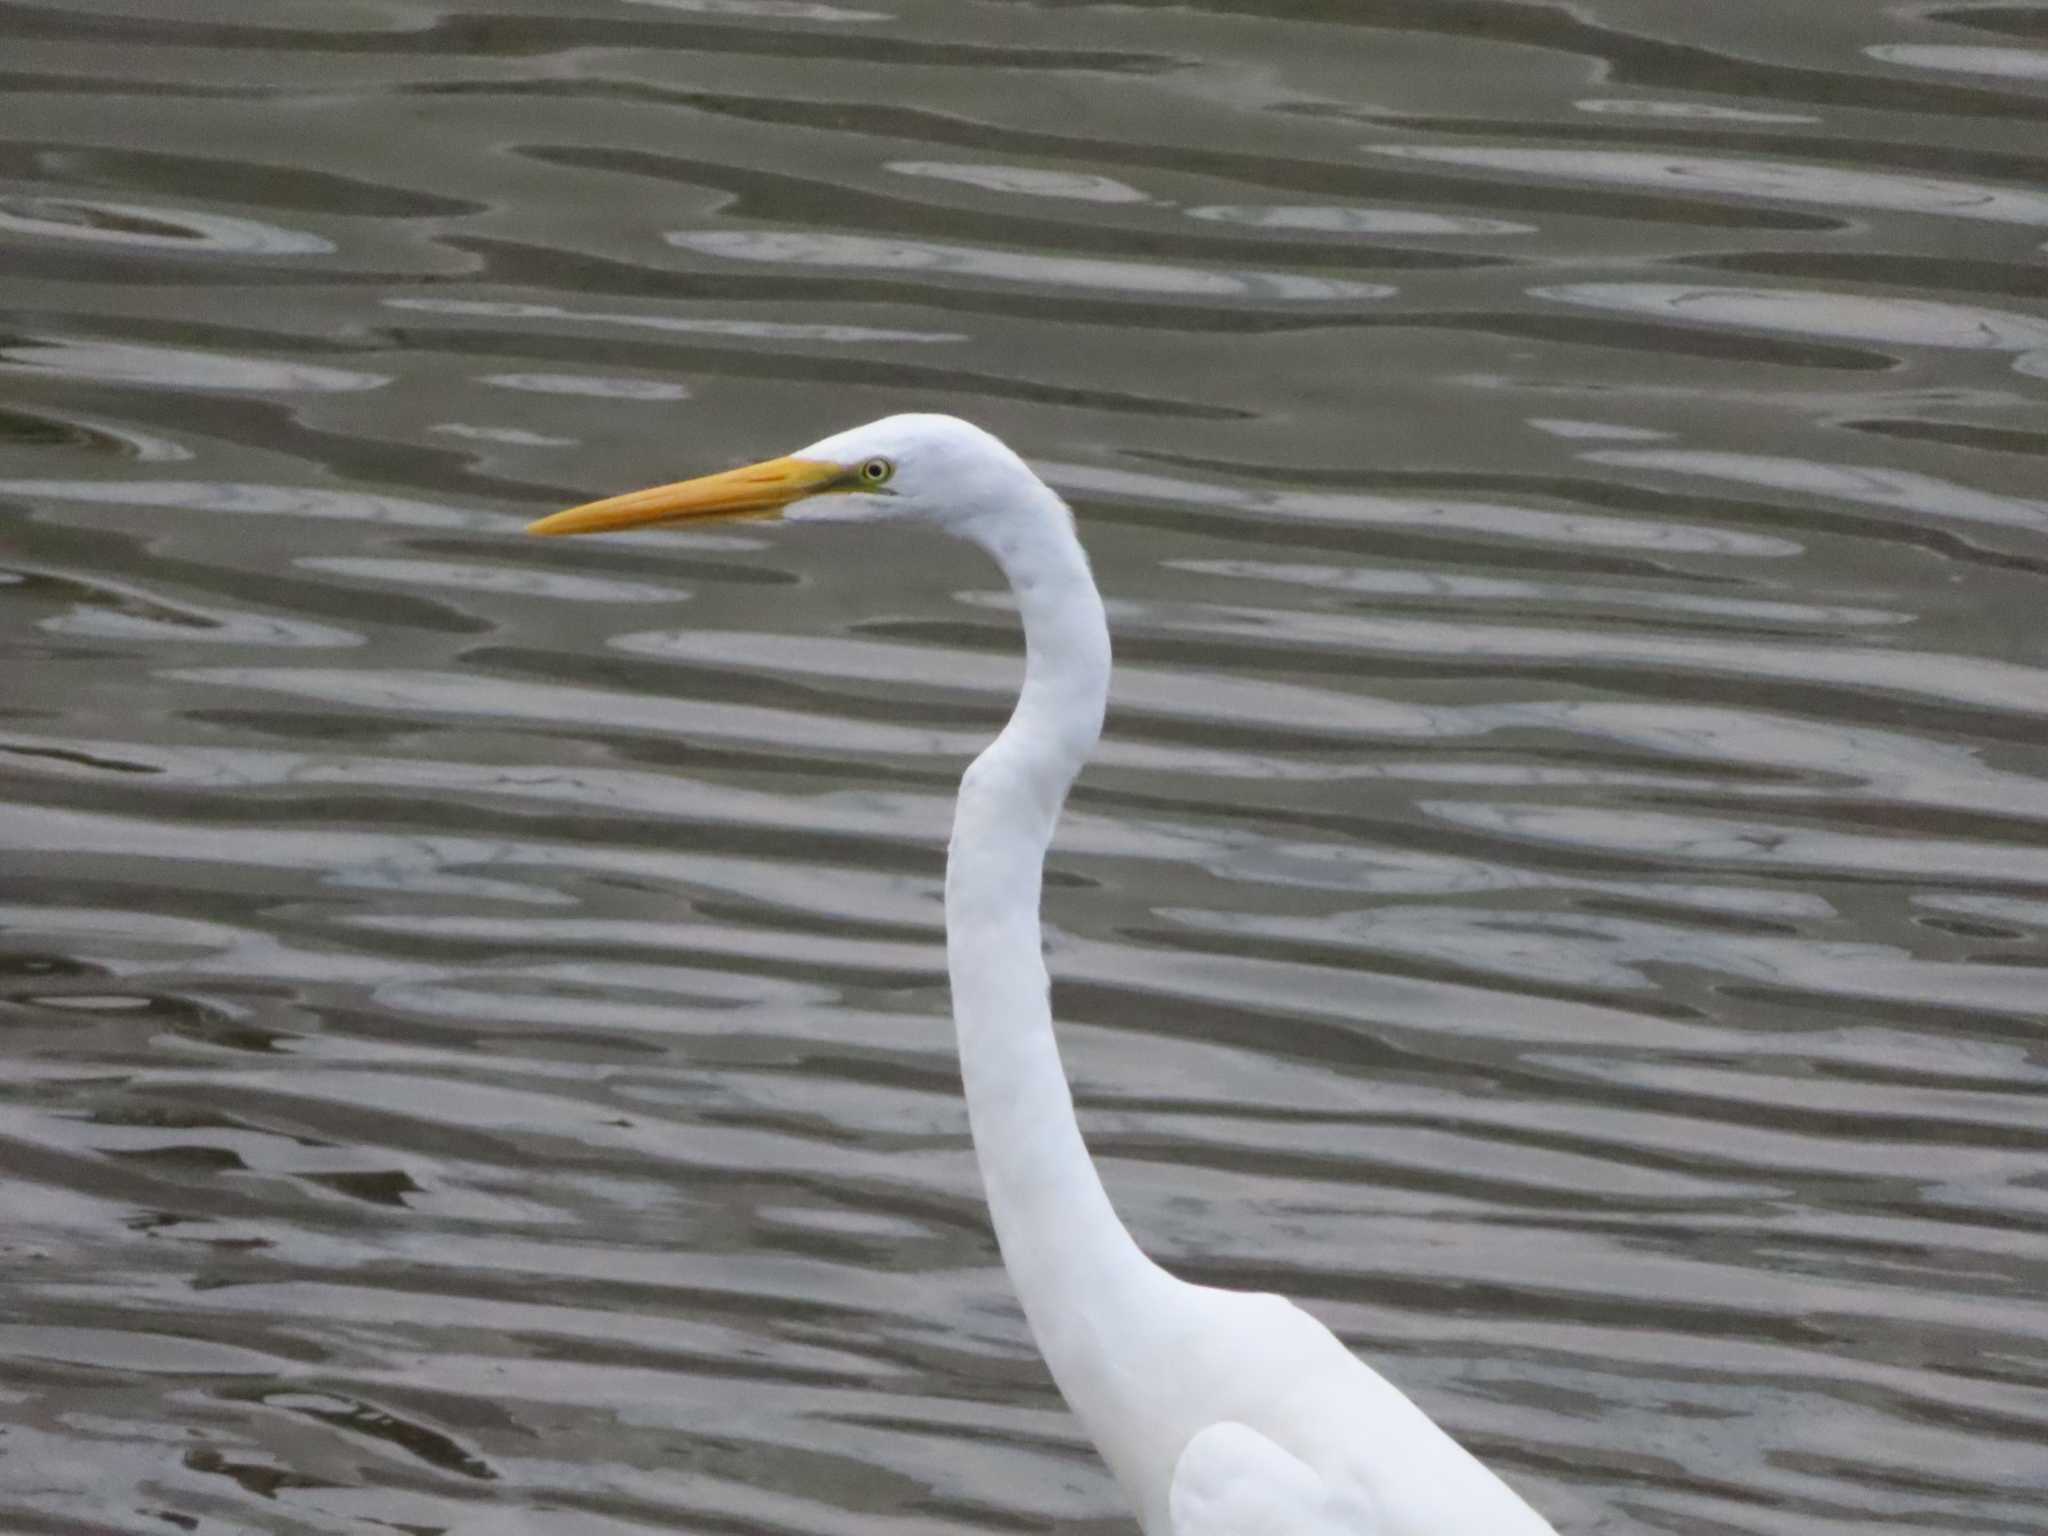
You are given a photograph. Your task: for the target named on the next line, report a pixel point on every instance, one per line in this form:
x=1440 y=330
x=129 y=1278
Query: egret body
x=1221 y=1413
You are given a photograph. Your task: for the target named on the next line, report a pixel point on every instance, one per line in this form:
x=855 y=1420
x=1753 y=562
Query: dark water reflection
x=1564 y=893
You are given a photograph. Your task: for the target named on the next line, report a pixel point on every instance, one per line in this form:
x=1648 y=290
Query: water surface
x=1564 y=892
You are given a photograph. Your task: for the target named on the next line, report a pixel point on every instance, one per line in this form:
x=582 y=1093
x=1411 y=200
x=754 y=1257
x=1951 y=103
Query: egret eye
x=876 y=471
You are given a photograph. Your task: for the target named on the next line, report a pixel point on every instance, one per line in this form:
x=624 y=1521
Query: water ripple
x=1562 y=891
x=1818 y=186
x=1129 y=277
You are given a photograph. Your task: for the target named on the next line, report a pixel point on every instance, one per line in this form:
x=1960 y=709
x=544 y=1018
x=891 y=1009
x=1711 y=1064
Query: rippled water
x=1565 y=891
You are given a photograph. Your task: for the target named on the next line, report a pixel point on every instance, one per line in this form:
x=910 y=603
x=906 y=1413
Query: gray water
x=1564 y=893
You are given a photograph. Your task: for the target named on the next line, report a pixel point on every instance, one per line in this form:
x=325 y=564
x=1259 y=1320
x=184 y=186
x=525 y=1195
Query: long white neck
x=1081 y=1278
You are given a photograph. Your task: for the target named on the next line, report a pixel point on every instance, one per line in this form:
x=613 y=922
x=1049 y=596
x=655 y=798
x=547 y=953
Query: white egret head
x=935 y=470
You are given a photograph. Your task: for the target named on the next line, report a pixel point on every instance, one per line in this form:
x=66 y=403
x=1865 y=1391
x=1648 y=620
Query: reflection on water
x=1024 y=180
x=179 y=368
x=1125 y=277
x=1357 y=221
x=2014 y=63
x=1906 y=322
x=128 y=224
x=757 y=330
x=1564 y=892
x=1822 y=186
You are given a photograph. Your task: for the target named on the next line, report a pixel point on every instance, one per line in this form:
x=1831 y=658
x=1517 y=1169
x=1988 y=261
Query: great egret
x=1221 y=1413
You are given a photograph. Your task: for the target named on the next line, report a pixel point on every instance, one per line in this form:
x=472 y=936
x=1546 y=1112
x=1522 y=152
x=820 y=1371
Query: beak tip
x=555 y=524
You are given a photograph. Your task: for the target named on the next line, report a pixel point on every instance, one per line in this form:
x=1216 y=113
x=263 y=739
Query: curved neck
x=1076 y=1270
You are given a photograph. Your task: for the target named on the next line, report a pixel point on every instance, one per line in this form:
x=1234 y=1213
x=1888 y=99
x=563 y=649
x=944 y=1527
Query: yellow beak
x=759 y=490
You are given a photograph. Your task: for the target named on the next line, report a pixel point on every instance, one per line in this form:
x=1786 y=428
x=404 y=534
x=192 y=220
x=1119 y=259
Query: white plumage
x=1221 y=1413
